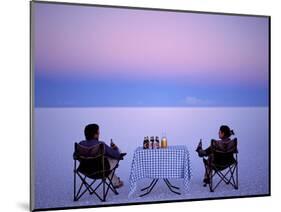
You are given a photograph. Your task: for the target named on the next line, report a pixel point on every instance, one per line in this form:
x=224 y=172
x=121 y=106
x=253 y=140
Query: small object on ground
x=119 y=184
x=206 y=181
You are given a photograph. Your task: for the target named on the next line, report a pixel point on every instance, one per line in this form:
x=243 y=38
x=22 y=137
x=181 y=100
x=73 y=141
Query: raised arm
x=113 y=153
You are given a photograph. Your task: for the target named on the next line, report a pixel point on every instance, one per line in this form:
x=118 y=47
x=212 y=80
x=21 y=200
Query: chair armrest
x=122 y=156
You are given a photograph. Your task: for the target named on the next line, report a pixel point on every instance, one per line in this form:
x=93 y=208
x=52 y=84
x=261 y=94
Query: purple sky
x=108 y=44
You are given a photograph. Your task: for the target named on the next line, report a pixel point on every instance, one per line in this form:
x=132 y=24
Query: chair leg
x=111 y=186
x=74 y=182
x=88 y=187
x=233 y=176
x=206 y=171
x=222 y=179
x=233 y=179
x=236 y=173
x=77 y=194
x=103 y=190
x=94 y=191
x=74 y=186
x=210 y=174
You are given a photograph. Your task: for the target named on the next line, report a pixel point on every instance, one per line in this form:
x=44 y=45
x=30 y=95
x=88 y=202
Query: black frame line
x=147 y=8
x=31 y=104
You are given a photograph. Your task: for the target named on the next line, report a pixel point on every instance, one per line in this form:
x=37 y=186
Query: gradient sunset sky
x=94 y=56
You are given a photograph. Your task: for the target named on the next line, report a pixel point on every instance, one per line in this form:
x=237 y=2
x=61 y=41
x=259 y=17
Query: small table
x=163 y=163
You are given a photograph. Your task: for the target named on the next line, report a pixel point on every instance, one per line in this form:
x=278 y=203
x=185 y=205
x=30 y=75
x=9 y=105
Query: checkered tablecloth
x=171 y=162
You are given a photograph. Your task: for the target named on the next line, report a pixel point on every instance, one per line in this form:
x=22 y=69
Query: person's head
x=92 y=131
x=225 y=132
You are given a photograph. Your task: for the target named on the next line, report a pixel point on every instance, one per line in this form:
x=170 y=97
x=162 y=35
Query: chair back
x=93 y=162
x=223 y=152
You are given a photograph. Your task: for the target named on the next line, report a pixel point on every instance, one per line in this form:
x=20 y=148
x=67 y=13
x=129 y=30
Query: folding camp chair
x=223 y=163
x=93 y=166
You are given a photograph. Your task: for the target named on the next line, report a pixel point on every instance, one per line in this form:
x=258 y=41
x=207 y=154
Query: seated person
x=92 y=133
x=225 y=141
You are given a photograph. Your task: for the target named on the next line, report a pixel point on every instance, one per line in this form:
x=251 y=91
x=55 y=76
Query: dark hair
x=226 y=131
x=90 y=131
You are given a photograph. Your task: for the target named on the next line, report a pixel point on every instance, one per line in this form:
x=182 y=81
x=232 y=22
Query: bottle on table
x=152 y=142
x=157 y=145
x=145 y=143
x=164 y=142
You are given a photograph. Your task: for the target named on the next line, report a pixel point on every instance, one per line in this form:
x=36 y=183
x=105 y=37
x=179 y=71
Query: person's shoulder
x=82 y=142
x=230 y=140
x=234 y=139
x=88 y=143
x=214 y=141
x=222 y=140
x=102 y=142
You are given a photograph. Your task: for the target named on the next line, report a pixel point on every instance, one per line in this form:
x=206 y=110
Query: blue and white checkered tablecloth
x=171 y=162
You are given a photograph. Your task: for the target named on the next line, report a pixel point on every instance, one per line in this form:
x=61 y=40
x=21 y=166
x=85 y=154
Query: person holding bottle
x=224 y=140
x=92 y=133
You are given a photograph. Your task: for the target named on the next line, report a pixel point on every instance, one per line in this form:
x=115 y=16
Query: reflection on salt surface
x=56 y=130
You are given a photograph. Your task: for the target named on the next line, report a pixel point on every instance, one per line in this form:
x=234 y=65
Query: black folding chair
x=223 y=163
x=93 y=166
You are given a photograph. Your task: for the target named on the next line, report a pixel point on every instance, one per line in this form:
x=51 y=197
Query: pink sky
x=103 y=42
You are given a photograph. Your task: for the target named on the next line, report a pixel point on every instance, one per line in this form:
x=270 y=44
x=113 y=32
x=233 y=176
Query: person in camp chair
x=225 y=141
x=113 y=153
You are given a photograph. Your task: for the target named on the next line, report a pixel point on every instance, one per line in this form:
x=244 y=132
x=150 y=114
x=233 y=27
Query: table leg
x=154 y=182
x=150 y=187
x=170 y=186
